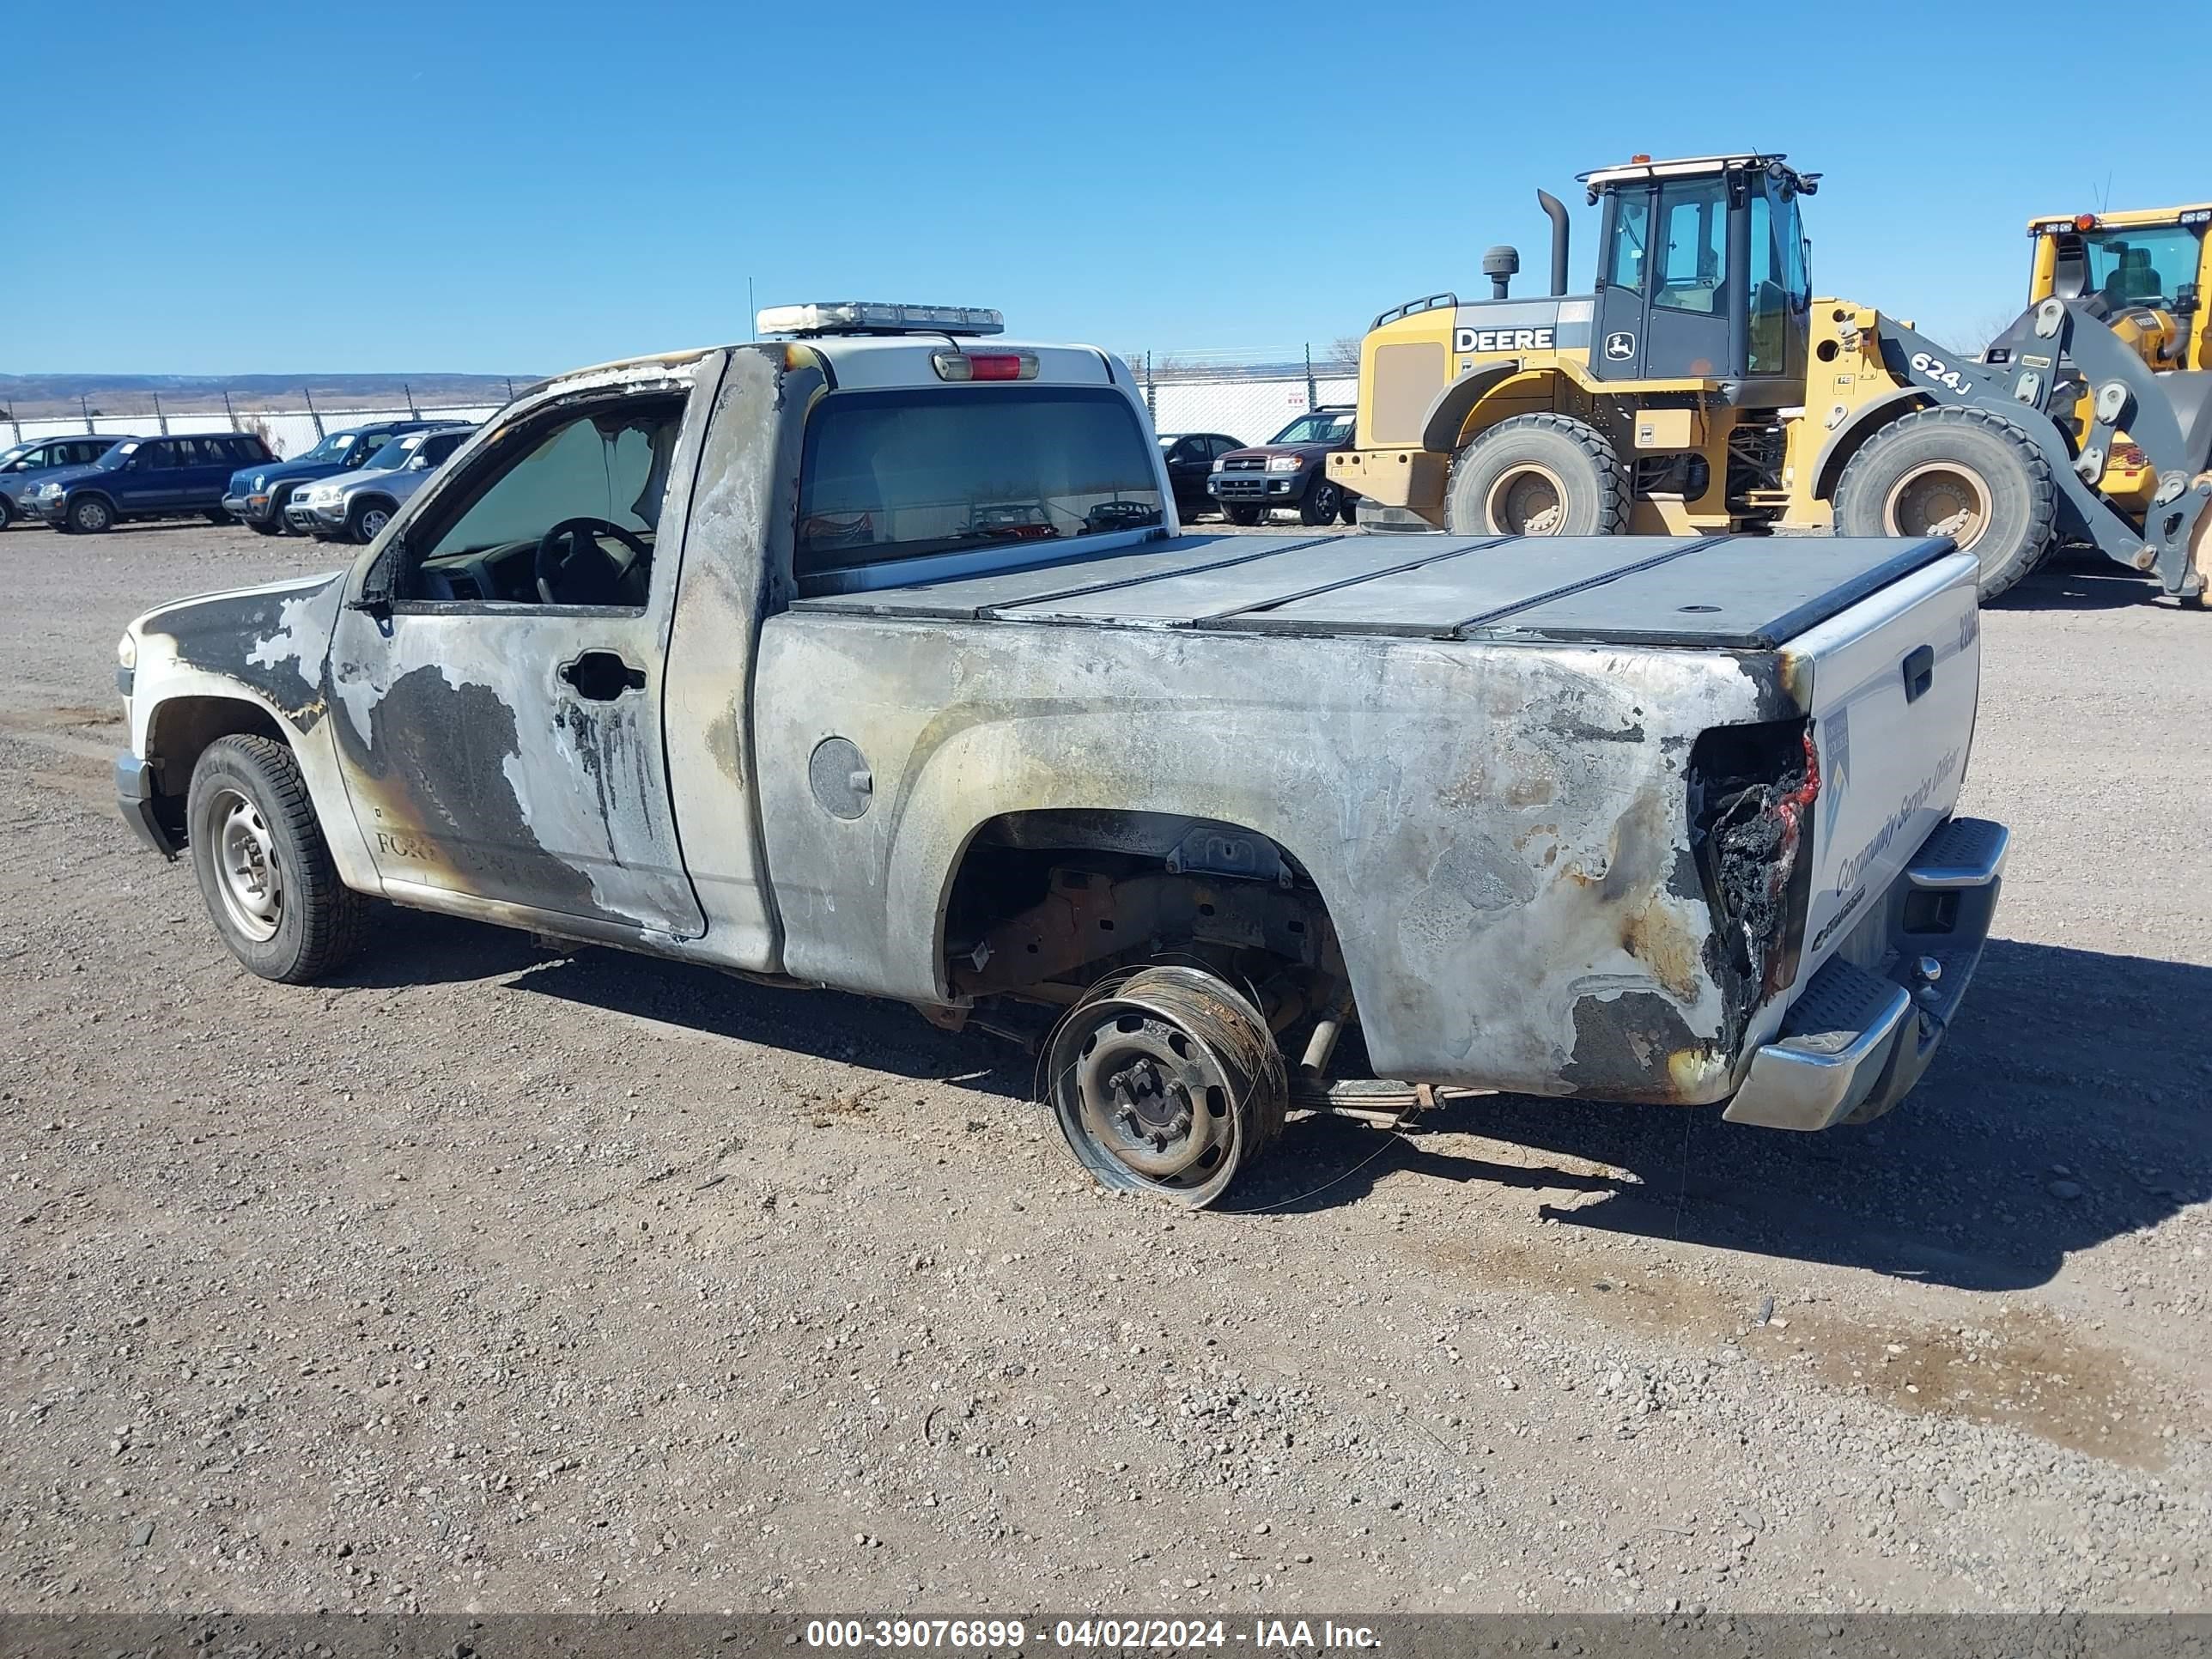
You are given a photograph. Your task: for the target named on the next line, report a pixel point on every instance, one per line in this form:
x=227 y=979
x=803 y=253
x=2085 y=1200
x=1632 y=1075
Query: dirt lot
x=487 y=1280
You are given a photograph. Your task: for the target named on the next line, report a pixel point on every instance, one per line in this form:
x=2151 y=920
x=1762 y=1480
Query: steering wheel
x=593 y=582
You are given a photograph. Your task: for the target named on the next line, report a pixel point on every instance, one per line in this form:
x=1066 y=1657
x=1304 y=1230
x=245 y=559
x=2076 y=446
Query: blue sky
x=522 y=189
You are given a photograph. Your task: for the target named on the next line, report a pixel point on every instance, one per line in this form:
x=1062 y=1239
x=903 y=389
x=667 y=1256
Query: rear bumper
x=1859 y=1036
x=134 y=799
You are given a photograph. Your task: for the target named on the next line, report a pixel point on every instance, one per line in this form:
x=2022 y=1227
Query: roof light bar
x=873 y=317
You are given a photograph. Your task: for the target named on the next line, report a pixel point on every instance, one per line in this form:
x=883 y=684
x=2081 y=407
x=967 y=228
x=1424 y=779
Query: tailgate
x=1895 y=680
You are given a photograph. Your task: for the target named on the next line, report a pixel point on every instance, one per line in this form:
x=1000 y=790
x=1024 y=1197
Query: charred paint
x=1623 y=1043
x=269 y=640
x=435 y=763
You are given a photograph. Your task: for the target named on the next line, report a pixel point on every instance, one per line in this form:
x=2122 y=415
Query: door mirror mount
x=379 y=583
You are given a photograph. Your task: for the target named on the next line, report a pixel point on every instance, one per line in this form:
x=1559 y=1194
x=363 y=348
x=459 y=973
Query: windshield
x=14 y=452
x=1319 y=428
x=390 y=452
x=898 y=475
x=333 y=448
x=2141 y=266
x=117 y=456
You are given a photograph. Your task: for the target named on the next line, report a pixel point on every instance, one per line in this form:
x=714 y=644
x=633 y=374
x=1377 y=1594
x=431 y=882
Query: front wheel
x=215 y=515
x=264 y=527
x=1240 y=514
x=88 y=515
x=7 y=512
x=265 y=870
x=1538 y=475
x=367 y=521
x=1324 y=499
x=1963 y=472
x=1166 y=1082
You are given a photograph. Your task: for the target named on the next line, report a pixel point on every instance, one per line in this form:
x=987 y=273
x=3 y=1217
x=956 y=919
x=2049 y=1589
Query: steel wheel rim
x=1526 y=500
x=1150 y=1089
x=1939 y=498
x=91 y=515
x=247 y=873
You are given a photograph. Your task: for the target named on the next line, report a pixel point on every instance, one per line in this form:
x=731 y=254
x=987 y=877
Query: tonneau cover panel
x=1715 y=593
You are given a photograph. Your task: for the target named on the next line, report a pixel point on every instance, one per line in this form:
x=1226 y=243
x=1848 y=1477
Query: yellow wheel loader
x=1700 y=387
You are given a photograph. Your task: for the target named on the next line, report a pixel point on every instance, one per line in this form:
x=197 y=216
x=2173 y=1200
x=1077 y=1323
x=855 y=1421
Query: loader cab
x=1703 y=274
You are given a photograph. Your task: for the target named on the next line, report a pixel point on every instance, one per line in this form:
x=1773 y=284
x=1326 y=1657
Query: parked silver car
x=353 y=507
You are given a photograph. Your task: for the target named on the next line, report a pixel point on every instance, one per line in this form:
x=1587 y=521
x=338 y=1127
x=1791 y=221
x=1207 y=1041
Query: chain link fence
x=288 y=431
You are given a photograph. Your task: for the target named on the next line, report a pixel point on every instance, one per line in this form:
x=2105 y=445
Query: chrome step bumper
x=1857 y=1038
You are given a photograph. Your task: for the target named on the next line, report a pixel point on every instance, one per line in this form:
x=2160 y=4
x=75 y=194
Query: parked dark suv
x=1290 y=469
x=257 y=496
x=172 y=477
x=26 y=466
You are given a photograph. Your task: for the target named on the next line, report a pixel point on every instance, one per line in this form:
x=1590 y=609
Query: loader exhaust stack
x=1557 y=214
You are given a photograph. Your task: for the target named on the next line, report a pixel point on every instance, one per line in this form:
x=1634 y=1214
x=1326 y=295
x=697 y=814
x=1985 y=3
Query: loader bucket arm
x=2021 y=383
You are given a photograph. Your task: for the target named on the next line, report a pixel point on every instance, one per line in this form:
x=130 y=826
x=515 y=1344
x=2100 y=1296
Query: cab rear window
x=912 y=473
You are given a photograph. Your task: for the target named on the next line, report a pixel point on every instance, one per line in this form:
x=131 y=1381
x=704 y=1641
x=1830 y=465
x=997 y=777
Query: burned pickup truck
x=871 y=657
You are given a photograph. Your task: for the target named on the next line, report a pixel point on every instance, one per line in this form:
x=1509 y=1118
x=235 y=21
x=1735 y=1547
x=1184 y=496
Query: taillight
x=985 y=365
x=1751 y=794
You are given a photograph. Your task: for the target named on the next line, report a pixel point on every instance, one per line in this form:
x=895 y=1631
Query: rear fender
x=1448 y=411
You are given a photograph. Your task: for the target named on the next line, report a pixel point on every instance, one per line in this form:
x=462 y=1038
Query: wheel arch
x=1847 y=440
x=1447 y=424
x=180 y=729
x=995 y=868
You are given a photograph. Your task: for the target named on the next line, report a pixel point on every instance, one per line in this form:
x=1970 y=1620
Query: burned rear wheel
x=1166 y=1082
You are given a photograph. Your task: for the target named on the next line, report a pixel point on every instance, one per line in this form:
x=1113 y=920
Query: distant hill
x=35 y=397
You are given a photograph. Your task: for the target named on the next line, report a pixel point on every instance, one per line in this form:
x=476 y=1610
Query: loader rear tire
x=1970 y=474
x=1538 y=475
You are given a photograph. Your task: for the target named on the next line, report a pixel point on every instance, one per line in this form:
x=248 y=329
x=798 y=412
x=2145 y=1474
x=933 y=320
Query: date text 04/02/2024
x=998 y=1635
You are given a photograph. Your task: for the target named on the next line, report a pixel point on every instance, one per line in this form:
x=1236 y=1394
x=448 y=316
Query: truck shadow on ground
x=2065 y=1109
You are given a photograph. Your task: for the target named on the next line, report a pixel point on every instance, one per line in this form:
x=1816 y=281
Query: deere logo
x=1619 y=347
x=1503 y=339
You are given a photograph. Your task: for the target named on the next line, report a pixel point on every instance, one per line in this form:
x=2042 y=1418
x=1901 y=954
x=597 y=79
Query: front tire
x=1966 y=473
x=264 y=870
x=1239 y=513
x=1538 y=475
x=89 y=515
x=1166 y=1082
x=366 y=522
x=216 y=516
x=1324 y=500
x=7 y=512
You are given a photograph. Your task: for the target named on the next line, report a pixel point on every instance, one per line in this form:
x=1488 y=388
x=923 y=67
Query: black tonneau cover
x=1744 y=593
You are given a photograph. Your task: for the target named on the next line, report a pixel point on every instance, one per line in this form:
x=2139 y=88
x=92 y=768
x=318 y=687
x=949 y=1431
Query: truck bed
x=1718 y=593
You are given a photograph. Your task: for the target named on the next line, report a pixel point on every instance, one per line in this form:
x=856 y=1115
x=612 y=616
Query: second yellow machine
x=1700 y=387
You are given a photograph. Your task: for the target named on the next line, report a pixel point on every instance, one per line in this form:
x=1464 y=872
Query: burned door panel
x=508 y=759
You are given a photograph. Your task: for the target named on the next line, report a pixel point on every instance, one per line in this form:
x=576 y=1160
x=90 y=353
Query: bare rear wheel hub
x=1157 y=1084
x=1939 y=498
x=1526 y=500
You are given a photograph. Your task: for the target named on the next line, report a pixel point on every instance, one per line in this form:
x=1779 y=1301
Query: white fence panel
x=1250 y=410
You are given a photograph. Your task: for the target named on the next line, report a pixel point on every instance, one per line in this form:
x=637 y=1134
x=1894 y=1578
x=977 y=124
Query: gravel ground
x=486 y=1279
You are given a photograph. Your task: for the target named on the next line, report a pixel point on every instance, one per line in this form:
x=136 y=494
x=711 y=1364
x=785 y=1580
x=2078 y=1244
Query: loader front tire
x=1538 y=475
x=1967 y=473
